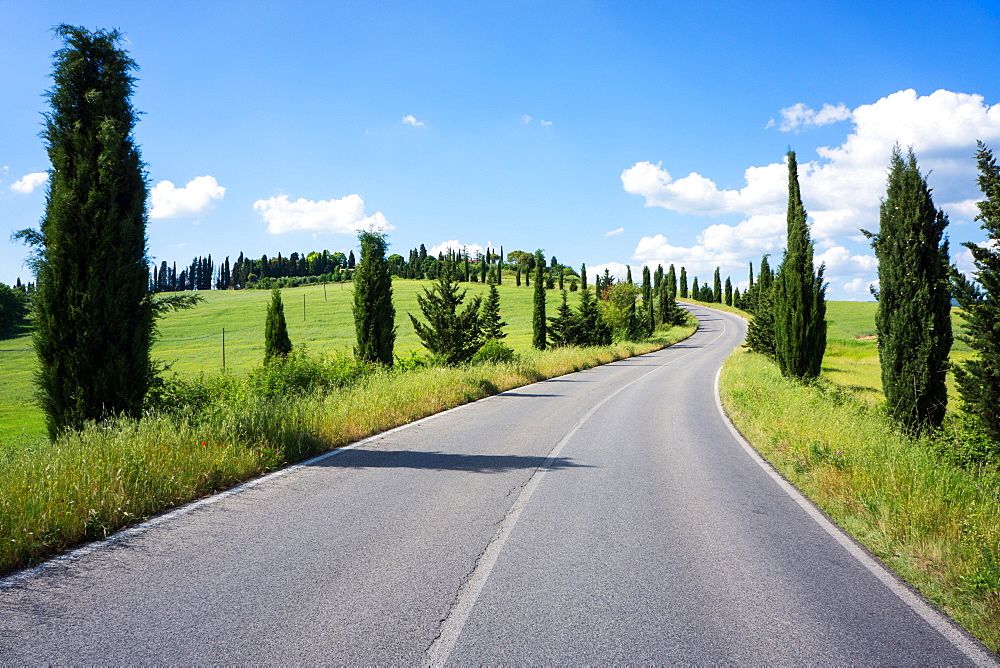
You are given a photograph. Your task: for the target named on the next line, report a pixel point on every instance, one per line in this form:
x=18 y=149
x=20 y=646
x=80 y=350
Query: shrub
x=493 y=351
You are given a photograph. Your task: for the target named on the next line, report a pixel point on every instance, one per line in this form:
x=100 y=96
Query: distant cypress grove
x=94 y=328
x=913 y=318
x=799 y=294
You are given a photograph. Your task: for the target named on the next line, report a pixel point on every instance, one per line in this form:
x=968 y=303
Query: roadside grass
x=933 y=522
x=191 y=342
x=87 y=485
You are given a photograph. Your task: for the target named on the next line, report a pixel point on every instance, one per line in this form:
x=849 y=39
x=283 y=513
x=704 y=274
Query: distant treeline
x=323 y=266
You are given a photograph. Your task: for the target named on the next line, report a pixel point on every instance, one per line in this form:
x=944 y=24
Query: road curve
x=606 y=516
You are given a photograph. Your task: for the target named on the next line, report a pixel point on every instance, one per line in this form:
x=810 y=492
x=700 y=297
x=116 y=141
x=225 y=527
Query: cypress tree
x=500 y=267
x=588 y=328
x=760 y=330
x=729 y=292
x=94 y=314
x=684 y=283
x=978 y=378
x=914 y=305
x=276 y=341
x=492 y=325
x=560 y=327
x=538 y=313
x=452 y=336
x=695 y=292
x=717 y=287
x=583 y=276
x=374 y=314
x=628 y=274
x=799 y=294
x=649 y=323
x=517 y=276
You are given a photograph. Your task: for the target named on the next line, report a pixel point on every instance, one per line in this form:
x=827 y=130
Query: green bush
x=301 y=373
x=493 y=351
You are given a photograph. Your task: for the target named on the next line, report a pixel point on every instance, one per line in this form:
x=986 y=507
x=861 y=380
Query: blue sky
x=609 y=133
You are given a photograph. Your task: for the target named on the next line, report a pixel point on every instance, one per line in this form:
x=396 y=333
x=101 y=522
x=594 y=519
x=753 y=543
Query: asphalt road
x=607 y=516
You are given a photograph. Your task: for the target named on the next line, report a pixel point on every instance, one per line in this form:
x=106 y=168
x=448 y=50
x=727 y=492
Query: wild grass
x=931 y=519
x=227 y=428
x=191 y=342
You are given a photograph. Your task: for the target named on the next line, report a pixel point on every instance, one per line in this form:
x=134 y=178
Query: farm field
x=191 y=342
x=851 y=359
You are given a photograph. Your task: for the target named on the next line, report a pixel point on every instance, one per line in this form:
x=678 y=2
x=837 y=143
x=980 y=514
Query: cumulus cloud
x=614 y=233
x=841 y=188
x=345 y=215
x=411 y=120
x=454 y=245
x=797 y=116
x=616 y=270
x=194 y=199
x=765 y=192
x=29 y=182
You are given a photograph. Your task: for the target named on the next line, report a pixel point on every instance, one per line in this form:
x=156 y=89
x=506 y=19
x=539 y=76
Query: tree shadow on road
x=441 y=461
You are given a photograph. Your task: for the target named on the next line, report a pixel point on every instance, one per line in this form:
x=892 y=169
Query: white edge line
x=956 y=635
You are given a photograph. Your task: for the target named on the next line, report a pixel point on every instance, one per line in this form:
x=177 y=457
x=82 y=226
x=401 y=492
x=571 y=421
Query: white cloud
x=799 y=115
x=345 y=215
x=614 y=233
x=29 y=182
x=841 y=188
x=454 y=245
x=616 y=270
x=859 y=287
x=526 y=119
x=194 y=199
x=411 y=120
x=766 y=190
x=545 y=124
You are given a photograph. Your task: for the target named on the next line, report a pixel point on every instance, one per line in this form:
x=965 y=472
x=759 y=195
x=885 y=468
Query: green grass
x=190 y=342
x=932 y=522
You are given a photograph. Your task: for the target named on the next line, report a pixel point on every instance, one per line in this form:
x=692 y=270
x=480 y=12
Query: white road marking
x=451 y=628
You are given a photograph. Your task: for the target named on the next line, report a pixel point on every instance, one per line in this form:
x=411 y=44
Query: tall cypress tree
x=729 y=292
x=276 y=341
x=684 y=283
x=979 y=377
x=538 y=313
x=760 y=329
x=799 y=294
x=717 y=287
x=583 y=276
x=914 y=305
x=374 y=314
x=94 y=314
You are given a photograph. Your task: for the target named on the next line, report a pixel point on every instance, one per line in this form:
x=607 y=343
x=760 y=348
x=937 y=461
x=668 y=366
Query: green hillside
x=191 y=342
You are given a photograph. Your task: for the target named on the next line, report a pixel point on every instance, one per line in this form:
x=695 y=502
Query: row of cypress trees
x=789 y=306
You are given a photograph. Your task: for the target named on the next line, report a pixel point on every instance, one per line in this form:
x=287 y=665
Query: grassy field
x=191 y=342
x=851 y=359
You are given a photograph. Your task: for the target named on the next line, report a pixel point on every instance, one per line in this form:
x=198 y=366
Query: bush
x=494 y=352
x=300 y=373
